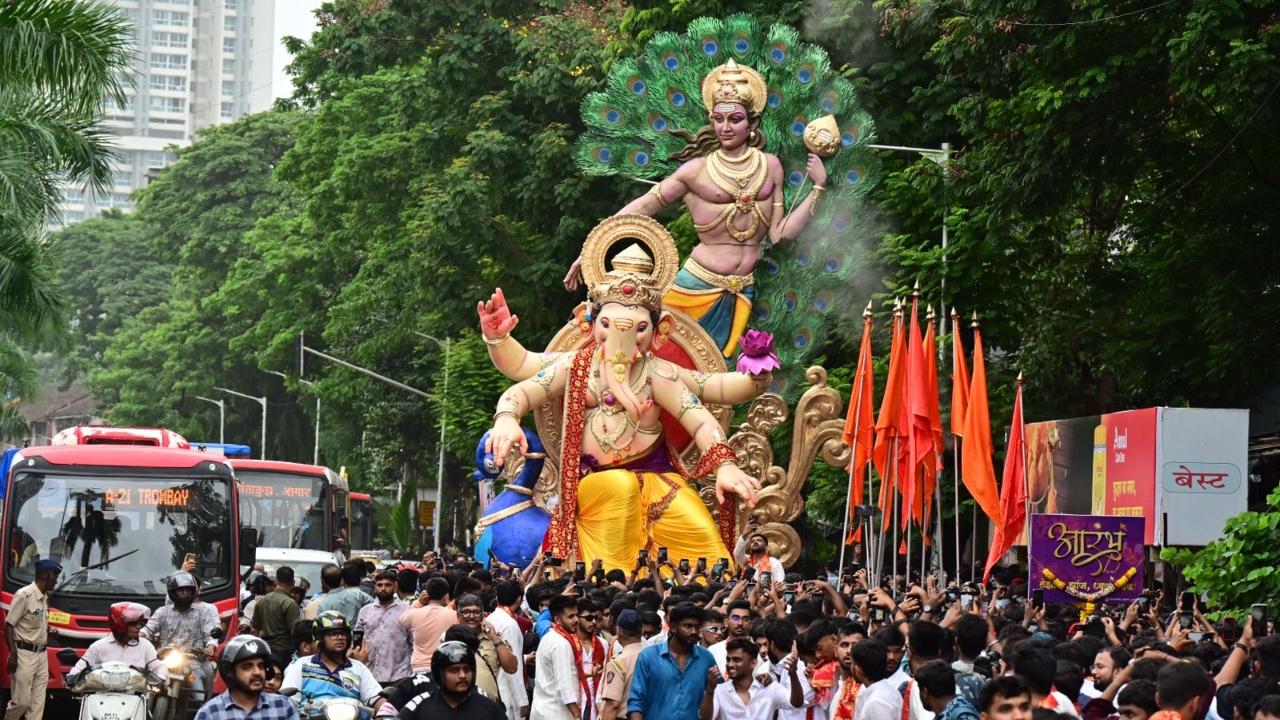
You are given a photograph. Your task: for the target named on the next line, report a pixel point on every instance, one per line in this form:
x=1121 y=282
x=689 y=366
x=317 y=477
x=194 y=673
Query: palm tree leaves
x=44 y=146
x=73 y=51
x=59 y=61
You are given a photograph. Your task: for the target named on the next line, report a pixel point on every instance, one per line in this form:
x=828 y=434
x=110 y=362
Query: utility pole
x=222 y=416
x=315 y=455
x=303 y=350
x=262 y=452
x=446 y=344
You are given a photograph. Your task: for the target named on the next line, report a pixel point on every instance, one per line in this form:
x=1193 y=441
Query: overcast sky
x=296 y=18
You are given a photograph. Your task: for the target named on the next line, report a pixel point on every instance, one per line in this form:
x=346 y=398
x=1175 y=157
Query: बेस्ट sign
x=1087 y=558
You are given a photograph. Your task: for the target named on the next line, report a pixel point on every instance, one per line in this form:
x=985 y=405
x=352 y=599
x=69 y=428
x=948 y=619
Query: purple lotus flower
x=757 y=354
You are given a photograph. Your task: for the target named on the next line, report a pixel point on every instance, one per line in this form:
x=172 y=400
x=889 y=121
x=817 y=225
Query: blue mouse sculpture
x=516 y=537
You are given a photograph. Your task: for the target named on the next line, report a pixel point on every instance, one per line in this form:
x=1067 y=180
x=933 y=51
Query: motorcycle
x=174 y=700
x=327 y=708
x=112 y=690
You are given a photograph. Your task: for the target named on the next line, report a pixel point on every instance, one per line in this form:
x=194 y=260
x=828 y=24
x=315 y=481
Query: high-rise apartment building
x=198 y=63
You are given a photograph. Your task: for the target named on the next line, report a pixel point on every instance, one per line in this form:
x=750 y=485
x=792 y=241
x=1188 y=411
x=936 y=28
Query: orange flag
x=920 y=460
x=959 y=378
x=935 y=413
x=976 y=469
x=1013 y=489
x=888 y=424
x=859 y=423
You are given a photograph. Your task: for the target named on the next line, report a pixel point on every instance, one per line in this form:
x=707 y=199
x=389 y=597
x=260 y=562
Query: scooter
x=328 y=708
x=113 y=690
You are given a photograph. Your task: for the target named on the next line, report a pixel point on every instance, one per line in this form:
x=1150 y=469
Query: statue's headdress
x=636 y=277
x=734 y=83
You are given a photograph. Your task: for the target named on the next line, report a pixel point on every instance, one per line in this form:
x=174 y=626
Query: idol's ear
x=666 y=326
x=581 y=317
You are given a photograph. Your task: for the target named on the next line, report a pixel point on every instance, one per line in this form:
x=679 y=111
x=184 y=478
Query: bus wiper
x=86 y=569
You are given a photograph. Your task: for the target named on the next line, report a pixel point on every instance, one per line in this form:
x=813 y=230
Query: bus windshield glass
x=119 y=535
x=287 y=509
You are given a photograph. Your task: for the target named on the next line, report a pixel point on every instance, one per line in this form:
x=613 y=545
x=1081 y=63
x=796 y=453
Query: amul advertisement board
x=1087 y=558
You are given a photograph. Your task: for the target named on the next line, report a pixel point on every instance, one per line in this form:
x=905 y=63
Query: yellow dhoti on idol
x=720 y=303
x=620 y=512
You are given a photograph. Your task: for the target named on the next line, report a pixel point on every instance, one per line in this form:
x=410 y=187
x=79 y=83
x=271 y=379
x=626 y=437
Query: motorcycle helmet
x=237 y=650
x=256 y=582
x=448 y=653
x=330 y=621
x=123 y=614
x=178 y=581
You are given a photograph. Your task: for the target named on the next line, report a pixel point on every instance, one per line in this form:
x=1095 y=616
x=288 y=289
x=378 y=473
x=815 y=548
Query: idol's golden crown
x=734 y=83
x=630 y=282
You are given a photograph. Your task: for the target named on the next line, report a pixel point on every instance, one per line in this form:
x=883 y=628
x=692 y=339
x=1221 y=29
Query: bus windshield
x=287 y=509
x=119 y=535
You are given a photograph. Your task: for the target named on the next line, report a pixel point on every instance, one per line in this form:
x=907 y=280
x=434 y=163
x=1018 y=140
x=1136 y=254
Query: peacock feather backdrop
x=801 y=286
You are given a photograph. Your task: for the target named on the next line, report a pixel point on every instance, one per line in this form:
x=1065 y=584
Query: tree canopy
x=1109 y=203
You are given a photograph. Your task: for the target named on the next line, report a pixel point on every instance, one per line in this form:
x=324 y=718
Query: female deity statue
x=621 y=488
x=734 y=192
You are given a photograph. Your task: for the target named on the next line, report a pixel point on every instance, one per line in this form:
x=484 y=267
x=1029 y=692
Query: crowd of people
x=724 y=639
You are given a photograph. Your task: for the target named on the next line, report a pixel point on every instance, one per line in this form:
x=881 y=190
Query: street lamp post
x=262 y=453
x=446 y=344
x=941 y=156
x=315 y=455
x=222 y=416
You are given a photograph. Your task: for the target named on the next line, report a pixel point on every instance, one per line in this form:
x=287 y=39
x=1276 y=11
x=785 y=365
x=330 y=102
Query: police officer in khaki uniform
x=26 y=633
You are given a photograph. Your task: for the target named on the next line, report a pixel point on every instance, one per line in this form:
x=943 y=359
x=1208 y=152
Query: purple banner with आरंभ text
x=1087 y=558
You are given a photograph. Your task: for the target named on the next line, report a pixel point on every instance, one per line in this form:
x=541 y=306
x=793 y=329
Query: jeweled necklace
x=741 y=178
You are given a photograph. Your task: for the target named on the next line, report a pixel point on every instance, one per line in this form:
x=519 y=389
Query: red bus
x=361 y=521
x=120 y=518
x=291 y=505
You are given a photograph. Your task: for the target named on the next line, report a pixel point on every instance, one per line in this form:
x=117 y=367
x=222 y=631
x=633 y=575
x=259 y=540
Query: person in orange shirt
x=427 y=620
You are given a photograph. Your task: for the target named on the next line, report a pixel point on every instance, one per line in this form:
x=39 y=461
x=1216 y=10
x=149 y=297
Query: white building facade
x=197 y=63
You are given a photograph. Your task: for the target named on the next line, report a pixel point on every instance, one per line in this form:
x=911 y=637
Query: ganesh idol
x=621 y=487
x=733 y=190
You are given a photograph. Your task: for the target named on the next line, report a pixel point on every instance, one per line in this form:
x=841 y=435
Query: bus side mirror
x=248 y=546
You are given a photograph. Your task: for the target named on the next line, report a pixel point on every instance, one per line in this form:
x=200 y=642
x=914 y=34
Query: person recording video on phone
x=753 y=549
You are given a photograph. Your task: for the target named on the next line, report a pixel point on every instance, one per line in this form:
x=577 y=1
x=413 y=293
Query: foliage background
x=1112 y=205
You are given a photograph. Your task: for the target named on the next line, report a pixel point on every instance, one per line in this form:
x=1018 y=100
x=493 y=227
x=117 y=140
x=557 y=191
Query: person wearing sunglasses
x=593 y=653
x=713 y=628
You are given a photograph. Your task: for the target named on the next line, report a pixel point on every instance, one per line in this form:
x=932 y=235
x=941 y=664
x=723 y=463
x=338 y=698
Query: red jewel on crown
x=628 y=289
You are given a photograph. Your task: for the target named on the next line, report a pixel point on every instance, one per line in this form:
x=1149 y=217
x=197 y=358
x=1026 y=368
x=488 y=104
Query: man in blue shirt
x=244 y=665
x=671 y=679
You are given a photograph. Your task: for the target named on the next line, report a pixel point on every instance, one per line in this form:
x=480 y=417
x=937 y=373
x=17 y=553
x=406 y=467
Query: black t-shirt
x=475 y=707
x=410 y=692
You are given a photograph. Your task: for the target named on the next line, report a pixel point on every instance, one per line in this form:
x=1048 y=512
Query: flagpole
x=955 y=439
x=893 y=472
x=868 y=537
x=1026 y=501
x=853 y=450
x=973 y=539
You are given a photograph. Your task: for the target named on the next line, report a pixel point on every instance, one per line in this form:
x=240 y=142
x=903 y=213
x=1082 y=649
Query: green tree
x=198 y=211
x=58 y=60
x=109 y=274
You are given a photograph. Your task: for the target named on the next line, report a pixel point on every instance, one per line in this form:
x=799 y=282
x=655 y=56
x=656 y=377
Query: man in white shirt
x=847 y=687
x=780 y=642
x=511 y=689
x=879 y=699
x=739 y=624
x=925 y=639
x=557 y=683
x=125 y=643
x=746 y=696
